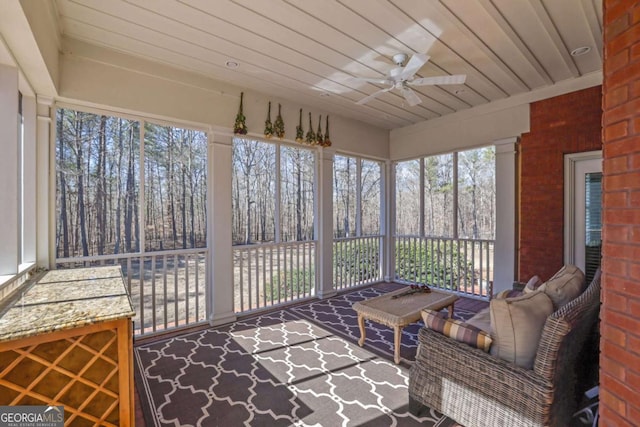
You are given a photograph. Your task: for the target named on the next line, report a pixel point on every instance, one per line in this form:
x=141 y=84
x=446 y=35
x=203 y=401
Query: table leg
x=450 y=311
x=397 y=333
x=363 y=333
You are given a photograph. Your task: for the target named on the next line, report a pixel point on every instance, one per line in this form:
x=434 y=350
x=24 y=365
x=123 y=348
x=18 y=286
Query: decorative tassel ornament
x=278 y=126
x=319 y=137
x=310 y=137
x=299 y=130
x=240 y=126
x=268 y=127
x=327 y=141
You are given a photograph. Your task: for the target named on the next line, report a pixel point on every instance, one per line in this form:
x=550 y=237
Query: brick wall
x=565 y=124
x=620 y=313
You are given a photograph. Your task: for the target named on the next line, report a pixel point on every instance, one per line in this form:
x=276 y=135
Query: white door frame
x=570 y=163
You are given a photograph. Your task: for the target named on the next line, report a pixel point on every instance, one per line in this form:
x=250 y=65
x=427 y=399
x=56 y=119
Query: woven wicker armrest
x=473 y=387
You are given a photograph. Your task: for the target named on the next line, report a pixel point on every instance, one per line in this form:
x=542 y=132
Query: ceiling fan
x=402 y=78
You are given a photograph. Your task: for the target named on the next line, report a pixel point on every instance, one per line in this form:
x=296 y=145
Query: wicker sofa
x=476 y=388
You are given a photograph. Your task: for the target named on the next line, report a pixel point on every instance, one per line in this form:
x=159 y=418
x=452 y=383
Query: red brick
x=619 y=25
x=621 y=216
x=619 y=354
x=633 y=342
x=634 y=413
x=614 y=335
x=633 y=307
x=610 y=417
x=626 y=286
x=613 y=368
x=635 y=88
x=633 y=379
x=612 y=401
x=624 y=40
x=616 y=97
x=569 y=123
x=634 y=272
x=621 y=112
x=635 y=15
x=634 y=53
x=618 y=388
x=619 y=60
x=615 y=266
x=618 y=199
x=623 y=181
x=616 y=131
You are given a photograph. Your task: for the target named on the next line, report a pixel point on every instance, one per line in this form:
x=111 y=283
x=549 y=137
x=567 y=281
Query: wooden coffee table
x=400 y=312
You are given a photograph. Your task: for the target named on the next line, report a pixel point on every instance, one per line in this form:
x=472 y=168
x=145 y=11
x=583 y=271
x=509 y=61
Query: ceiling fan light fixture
x=579 y=51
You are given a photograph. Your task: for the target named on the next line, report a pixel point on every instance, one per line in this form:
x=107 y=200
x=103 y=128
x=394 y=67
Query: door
x=583 y=211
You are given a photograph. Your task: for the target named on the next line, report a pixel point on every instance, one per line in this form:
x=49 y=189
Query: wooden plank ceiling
x=307 y=51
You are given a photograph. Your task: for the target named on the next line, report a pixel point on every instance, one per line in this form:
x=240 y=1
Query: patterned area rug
x=337 y=315
x=298 y=366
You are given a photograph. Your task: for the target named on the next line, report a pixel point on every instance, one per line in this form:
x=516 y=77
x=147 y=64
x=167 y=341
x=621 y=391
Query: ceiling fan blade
x=373 y=95
x=439 y=80
x=415 y=63
x=410 y=96
x=379 y=80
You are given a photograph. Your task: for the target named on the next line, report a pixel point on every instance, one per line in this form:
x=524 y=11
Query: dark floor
x=463 y=304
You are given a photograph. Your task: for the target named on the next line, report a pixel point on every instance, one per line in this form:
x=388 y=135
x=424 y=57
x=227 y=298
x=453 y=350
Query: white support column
x=387 y=221
x=504 y=256
x=45 y=183
x=220 y=277
x=324 y=225
x=29 y=184
x=9 y=226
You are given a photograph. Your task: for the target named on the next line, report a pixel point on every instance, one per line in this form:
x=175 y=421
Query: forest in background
x=101 y=169
x=476 y=194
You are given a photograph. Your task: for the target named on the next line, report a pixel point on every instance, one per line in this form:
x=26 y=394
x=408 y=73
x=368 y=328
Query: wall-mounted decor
x=327 y=141
x=268 y=126
x=278 y=126
x=319 y=138
x=299 y=130
x=311 y=136
x=240 y=127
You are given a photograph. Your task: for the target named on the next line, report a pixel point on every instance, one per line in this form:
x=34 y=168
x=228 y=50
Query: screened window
x=435 y=193
x=272 y=192
x=476 y=193
x=370 y=194
x=296 y=193
x=438 y=195
x=408 y=197
x=356 y=196
x=118 y=194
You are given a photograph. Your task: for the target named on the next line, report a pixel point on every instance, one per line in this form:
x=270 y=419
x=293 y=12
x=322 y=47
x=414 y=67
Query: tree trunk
x=298 y=199
x=80 y=171
x=129 y=197
x=101 y=197
x=170 y=188
x=63 y=190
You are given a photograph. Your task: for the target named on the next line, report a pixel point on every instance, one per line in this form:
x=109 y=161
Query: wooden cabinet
x=67 y=340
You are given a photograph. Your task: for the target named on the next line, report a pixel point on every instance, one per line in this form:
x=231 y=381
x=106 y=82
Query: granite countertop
x=65 y=299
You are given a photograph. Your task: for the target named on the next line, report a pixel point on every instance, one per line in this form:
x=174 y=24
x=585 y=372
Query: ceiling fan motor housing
x=399 y=59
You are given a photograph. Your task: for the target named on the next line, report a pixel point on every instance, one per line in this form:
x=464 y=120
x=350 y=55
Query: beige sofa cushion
x=533 y=284
x=516 y=325
x=481 y=320
x=564 y=286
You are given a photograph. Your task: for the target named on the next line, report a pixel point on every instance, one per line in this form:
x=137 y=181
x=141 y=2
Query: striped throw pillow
x=457 y=329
